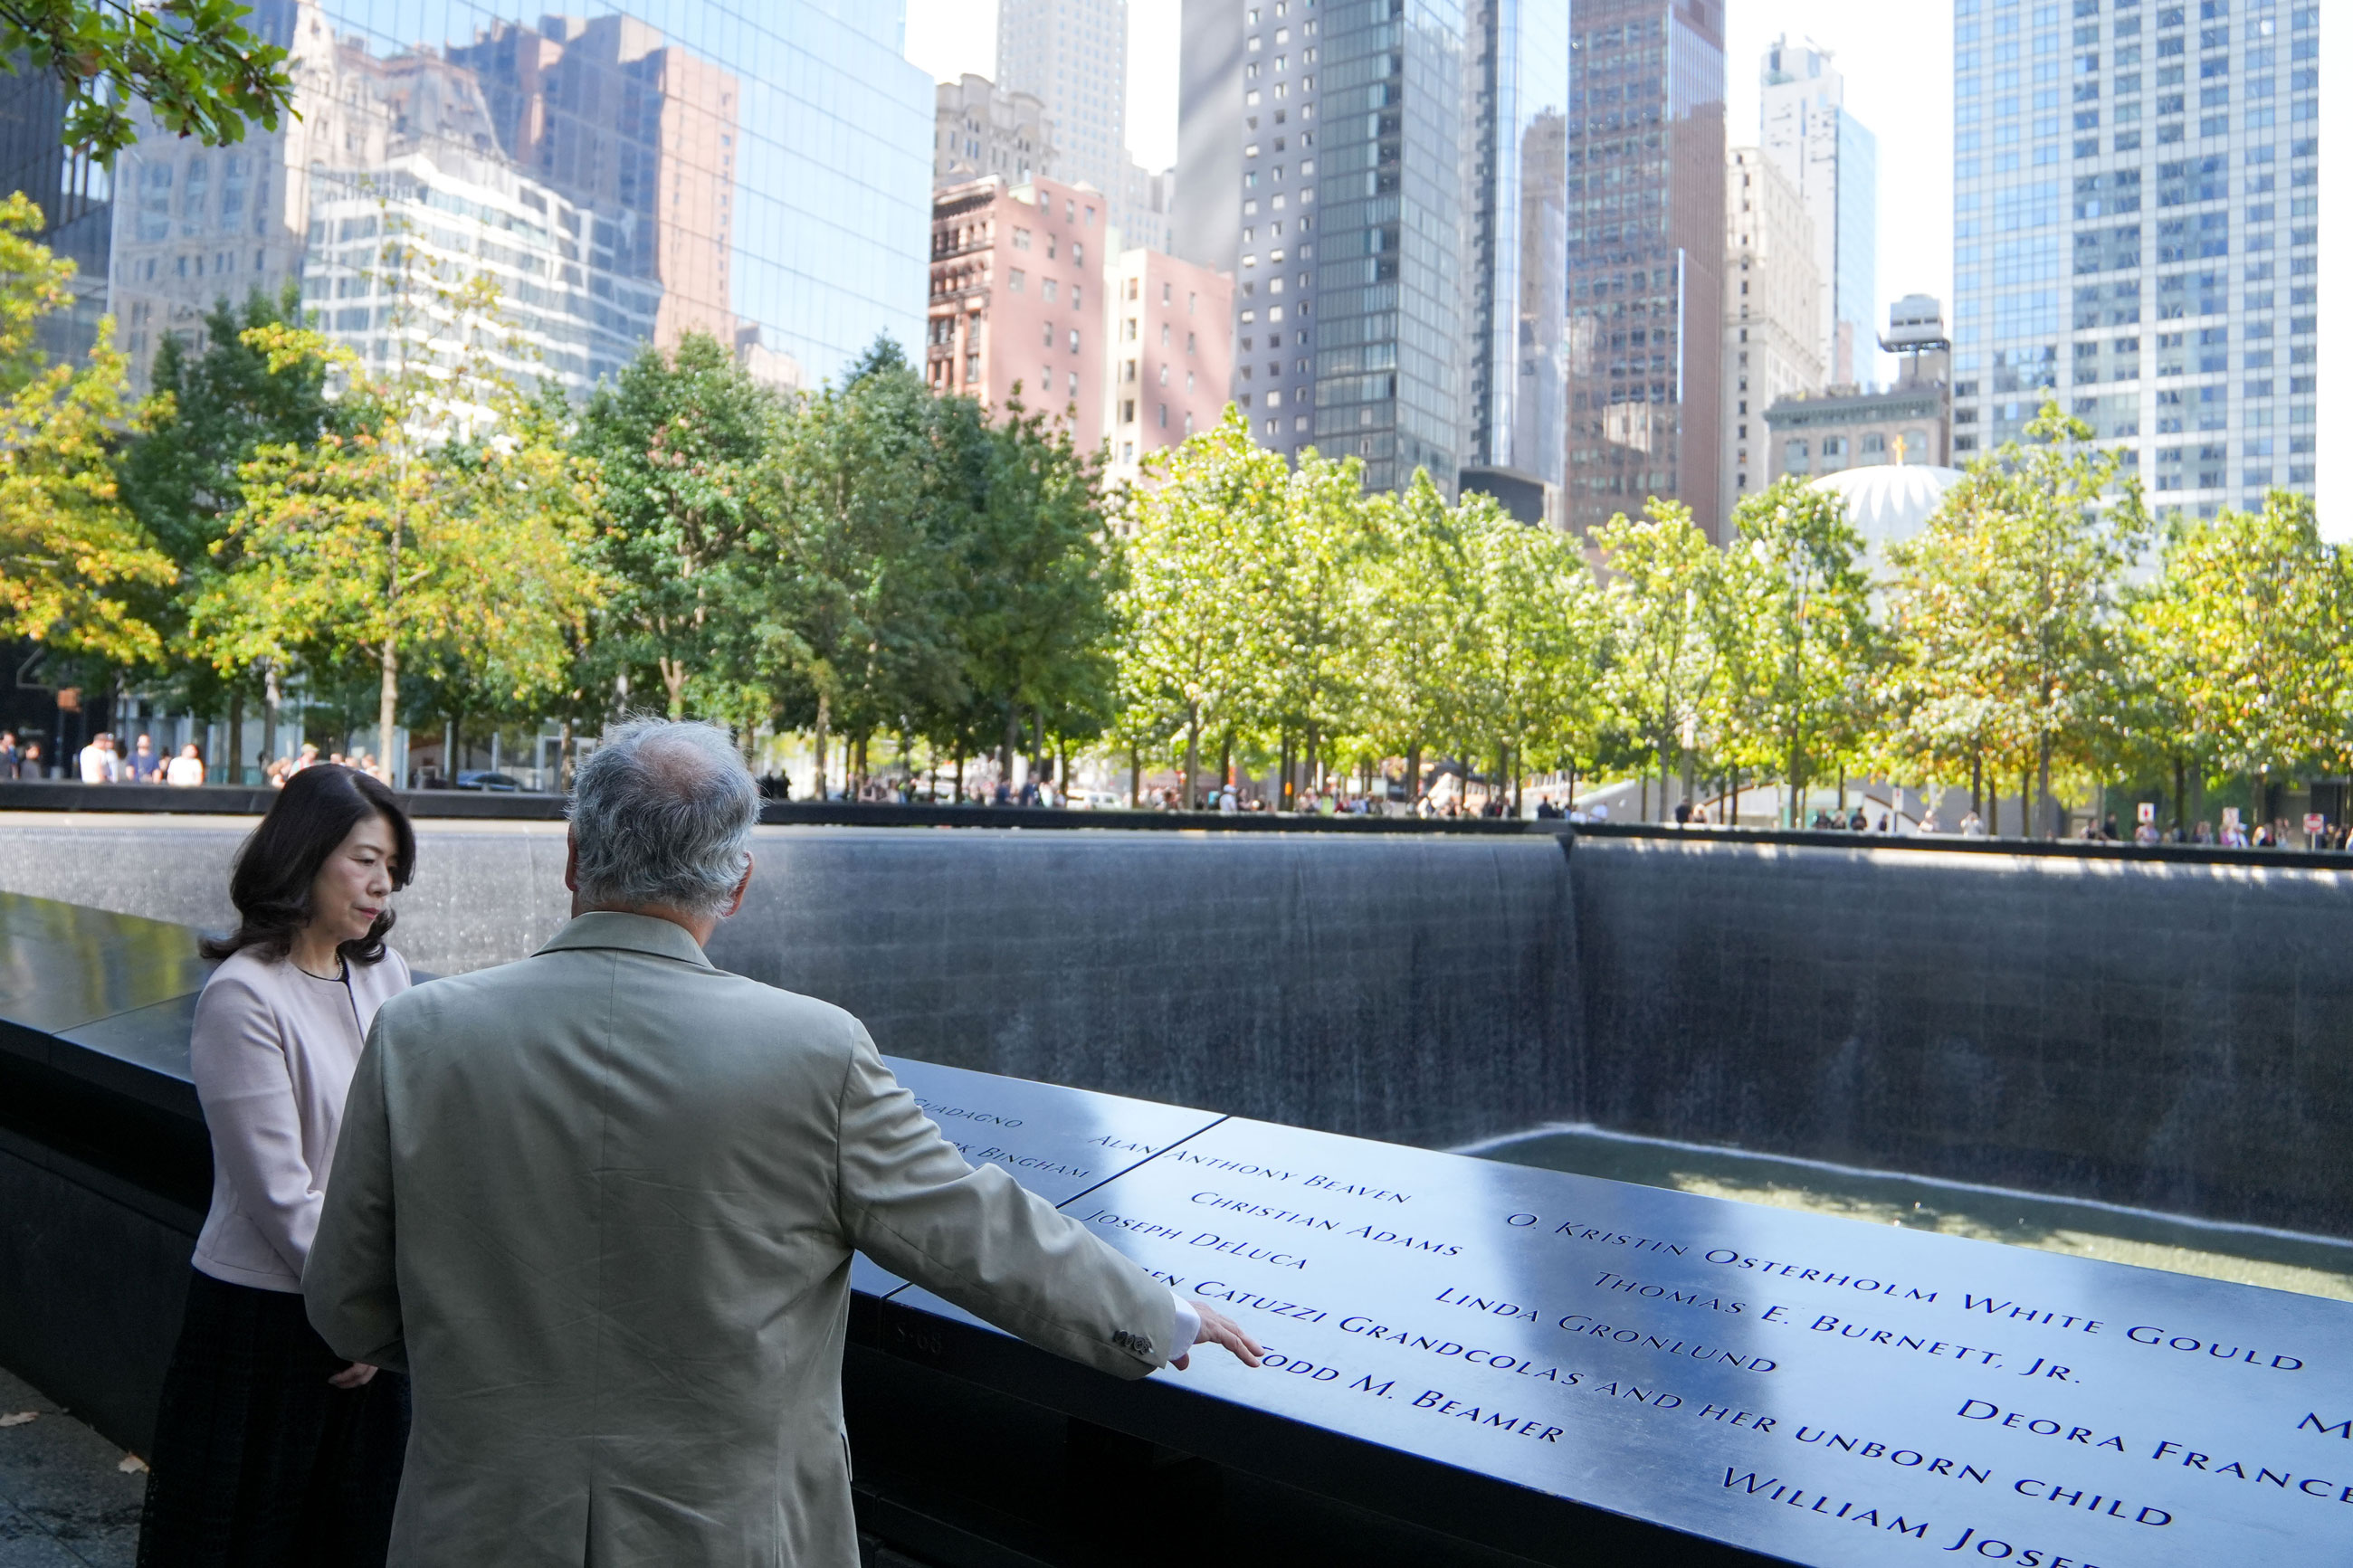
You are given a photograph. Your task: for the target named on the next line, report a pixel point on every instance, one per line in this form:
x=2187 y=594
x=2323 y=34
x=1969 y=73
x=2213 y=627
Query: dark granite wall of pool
x=2170 y=1035
x=1410 y=989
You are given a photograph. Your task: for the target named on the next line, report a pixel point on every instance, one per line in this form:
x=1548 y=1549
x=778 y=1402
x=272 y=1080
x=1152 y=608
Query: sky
x=1899 y=83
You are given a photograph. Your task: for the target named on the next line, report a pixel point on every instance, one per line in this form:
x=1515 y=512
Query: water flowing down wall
x=2172 y=1033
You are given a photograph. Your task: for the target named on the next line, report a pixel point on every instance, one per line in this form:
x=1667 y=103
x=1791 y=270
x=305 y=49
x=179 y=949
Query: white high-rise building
x=1772 y=313
x=1833 y=160
x=1071 y=55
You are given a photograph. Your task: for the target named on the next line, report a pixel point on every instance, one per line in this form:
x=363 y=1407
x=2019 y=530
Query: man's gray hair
x=662 y=814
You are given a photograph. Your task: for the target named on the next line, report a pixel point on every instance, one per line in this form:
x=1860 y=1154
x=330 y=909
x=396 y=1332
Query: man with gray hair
x=600 y=1204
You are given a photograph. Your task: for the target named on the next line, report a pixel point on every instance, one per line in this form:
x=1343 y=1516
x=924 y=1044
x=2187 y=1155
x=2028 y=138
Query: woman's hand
x=354 y=1376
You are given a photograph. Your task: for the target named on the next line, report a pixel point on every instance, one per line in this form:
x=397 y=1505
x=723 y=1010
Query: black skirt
x=258 y=1461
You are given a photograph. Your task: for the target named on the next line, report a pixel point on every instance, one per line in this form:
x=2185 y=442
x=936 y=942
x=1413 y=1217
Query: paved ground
x=65 y=1501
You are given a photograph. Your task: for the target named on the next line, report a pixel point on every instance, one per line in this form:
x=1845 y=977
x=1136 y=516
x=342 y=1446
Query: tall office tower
x=1833 y=160
x=1246 y=195
x=1516 y=173
x=2135 y=233
x=1071 y=55
x=984 y=129
x=74 y=195
x=1391 y=316
x=1772 y=312
x=623 y=185
x=1646 y=156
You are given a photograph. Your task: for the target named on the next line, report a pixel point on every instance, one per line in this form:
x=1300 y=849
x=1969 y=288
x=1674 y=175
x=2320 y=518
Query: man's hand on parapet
x=1217 y=1329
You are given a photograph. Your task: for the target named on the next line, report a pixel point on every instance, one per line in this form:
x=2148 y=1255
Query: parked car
x=497 y=784
x=1096 y=800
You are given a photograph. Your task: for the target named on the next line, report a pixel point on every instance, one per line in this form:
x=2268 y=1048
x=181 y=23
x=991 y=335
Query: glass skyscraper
x=1833 y=160
x=2135 y=233
x=1389 y=360
x=760 y=173
x=1646 y=251
x=1518 y=179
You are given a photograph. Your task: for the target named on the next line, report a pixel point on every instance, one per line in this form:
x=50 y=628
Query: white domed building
x=1887 y=502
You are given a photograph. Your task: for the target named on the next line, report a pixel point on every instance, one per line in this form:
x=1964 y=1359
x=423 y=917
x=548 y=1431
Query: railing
x=223 y=800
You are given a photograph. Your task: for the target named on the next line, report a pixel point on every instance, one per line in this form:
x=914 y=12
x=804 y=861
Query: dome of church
x=1888 y=501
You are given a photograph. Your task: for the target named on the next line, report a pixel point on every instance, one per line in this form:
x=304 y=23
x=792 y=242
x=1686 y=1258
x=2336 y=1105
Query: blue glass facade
x=1389 y=298
x=1854 y=292
x=1519 y=264
x=1646 y=158
x=758 y=170
x=2135 y=233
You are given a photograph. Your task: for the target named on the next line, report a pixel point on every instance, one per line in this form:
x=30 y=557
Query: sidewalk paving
x=65 y=1501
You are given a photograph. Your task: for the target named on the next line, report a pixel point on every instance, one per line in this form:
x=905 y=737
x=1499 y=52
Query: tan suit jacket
x=600 y=1204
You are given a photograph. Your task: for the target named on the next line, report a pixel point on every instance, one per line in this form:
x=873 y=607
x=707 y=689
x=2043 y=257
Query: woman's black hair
x=272 y=883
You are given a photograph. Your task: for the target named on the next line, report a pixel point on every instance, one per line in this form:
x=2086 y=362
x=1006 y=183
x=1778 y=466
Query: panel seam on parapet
x=1115 y=1175
x=1131 y=1170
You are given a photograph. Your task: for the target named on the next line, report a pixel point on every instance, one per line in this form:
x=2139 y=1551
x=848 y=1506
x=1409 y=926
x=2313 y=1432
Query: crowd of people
x=103 y=761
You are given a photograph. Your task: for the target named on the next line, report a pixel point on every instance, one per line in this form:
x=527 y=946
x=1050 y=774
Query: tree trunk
x=1134 y=774
x=1308 y=772
x=673 y=674
x=1007 y=744
x=2180 y=796
x=1977 y=785
x=563 y=758
x=959 y=768
x=387 y=699
x=2025 y=804
x=2043 y=788
x=1413 y=778
x=1226 y=759
x=234 y=772
x=1192 y=754
x=1282 y=771
x=824 y=720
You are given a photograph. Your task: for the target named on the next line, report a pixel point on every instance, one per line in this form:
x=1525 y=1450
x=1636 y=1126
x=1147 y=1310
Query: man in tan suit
x=600 y=1205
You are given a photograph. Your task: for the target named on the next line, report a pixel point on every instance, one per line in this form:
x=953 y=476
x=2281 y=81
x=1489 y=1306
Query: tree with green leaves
x=1790 y=619
x=1542 y=630
x=1303 y=594
x=1662 y=576
x=1422 y=664
x=855 y=586
x=74 y=562
x=682 y=441
x=194 y=64
x=2006 y=607
x=209 y=414
x=1184 y=630
x=1018 y=509
x=447 y=525
x=2235 y=655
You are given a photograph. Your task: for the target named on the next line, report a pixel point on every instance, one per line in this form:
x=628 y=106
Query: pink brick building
x=1171 y=354
x=1017 y=298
